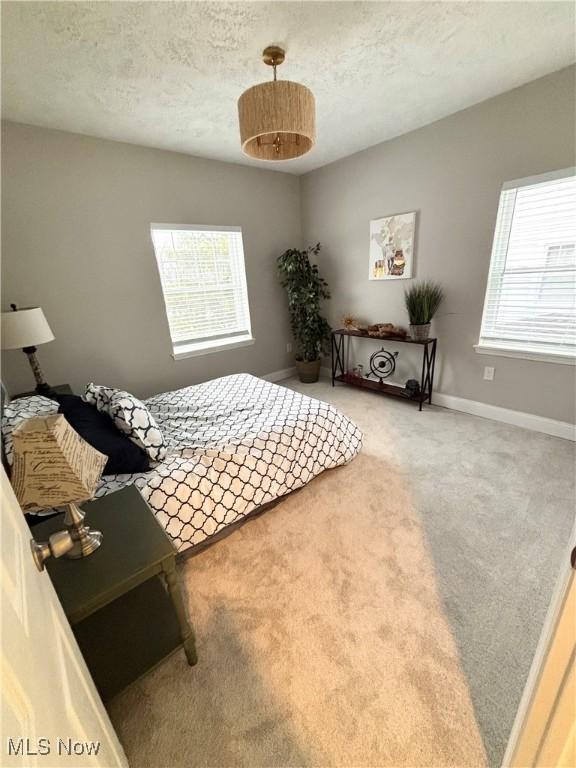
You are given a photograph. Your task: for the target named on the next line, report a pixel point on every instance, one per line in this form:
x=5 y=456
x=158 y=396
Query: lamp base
x=86 y=540
x=45 y=390
x=89 y=542
x=42 y=387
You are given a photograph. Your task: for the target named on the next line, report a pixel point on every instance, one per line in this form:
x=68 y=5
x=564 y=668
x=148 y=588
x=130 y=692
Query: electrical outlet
x=289 y=347
x=488 y=373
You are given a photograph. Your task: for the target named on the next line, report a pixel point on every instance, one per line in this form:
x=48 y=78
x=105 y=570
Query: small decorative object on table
x=412 y=387
x=54 y=466
x=386 y=331
x=422 y=302
x=382 y=364
x=25 y=329
x=349 y=322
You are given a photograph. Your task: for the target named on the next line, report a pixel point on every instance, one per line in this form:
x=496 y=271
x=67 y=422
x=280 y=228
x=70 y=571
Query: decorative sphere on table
x=383 y=364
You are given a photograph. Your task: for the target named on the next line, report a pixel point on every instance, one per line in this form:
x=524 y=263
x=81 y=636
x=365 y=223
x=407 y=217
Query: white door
x=544 y=734
x=51 y=712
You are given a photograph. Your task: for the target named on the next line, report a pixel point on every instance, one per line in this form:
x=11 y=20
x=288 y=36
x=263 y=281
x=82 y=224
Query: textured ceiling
x=168 y=74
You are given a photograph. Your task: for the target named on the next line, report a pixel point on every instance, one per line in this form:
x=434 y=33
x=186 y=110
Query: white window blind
x=204 y=284
x=530 y=304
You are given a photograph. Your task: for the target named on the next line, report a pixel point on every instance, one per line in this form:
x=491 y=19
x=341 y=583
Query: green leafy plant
x=422 y=301
x=305 y=290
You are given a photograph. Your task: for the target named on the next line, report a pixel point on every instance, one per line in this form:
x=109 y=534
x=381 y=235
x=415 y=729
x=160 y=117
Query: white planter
x=420 y=332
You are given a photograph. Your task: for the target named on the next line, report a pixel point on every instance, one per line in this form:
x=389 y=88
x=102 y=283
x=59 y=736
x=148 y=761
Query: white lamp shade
x=25 y=328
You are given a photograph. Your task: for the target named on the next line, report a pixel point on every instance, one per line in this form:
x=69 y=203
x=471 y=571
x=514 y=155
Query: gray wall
x=451 y=173
x=76 y=213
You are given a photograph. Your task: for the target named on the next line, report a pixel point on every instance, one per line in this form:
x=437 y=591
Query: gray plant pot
x=420 y=332
x=308 y=373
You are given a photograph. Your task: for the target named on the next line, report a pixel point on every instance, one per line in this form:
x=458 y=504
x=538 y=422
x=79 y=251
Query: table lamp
x=25 y=329
x=53 y=466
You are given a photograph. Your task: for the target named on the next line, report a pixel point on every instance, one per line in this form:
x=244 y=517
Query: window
x=204 y=283
x=530 y=304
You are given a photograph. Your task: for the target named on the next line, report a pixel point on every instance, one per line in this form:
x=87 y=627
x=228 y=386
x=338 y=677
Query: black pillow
x=99 y=430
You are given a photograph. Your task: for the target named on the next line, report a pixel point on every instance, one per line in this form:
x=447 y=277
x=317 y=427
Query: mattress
x=235 y=444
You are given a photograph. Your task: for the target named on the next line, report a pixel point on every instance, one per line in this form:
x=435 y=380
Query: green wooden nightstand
x=59 y=389
x=125 y=620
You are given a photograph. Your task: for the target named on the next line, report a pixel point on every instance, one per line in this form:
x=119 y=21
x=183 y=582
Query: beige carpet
x=323 y=635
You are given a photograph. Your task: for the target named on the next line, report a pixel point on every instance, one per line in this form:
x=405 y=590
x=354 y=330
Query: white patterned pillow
x=130 y=416
x=17 y=411
x=99 y=396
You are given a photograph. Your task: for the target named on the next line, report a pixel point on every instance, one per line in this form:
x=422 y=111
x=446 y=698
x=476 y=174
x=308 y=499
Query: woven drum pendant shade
x=277 y=120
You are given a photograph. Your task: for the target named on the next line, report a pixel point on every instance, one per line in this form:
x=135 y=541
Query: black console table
x=340 y=349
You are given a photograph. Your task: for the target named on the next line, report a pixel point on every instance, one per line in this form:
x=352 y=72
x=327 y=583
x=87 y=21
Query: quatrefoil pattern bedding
x=235 y=444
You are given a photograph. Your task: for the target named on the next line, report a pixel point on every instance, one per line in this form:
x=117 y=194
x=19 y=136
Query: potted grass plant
x=422 y=301
x=305 y=290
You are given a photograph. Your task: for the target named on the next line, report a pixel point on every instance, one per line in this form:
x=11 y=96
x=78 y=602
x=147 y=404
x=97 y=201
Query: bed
x=235 y=444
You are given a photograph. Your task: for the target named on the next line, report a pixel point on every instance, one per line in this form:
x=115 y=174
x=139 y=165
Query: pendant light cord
x=277 y=142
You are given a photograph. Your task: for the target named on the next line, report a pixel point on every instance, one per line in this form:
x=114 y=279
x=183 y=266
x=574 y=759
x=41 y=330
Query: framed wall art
x=392 y=247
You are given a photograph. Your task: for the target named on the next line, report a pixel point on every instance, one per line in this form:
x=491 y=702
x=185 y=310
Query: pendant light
x=277 y=118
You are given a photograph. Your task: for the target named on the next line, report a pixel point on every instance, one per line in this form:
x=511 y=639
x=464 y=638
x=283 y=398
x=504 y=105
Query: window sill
x=542 y=357
x=207 y=347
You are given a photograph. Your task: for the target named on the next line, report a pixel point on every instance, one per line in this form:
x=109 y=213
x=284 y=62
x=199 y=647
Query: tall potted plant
x=422 y=302
x=305 y=290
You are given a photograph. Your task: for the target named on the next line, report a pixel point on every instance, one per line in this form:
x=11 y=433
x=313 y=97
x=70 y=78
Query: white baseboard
x=530 y=421
x=285 y=373
x=552 y=427
x=518 y=418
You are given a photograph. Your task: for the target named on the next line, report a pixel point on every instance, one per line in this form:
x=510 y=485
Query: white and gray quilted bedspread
x=234 y=444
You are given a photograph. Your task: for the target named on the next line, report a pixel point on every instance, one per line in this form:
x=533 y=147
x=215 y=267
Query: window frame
x=502 y=231
x=233 y=340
